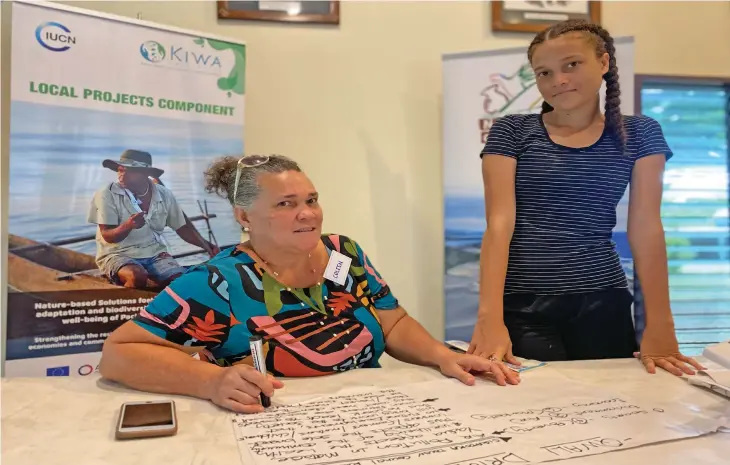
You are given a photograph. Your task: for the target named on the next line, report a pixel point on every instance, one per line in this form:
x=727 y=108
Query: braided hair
x=604 y=44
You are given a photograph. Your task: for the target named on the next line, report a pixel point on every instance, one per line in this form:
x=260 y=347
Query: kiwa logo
x=152 y=51
x=180 y=57
x=54 y=36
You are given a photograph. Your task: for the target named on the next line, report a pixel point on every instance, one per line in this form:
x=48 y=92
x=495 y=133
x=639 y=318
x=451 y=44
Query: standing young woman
x=552 y=285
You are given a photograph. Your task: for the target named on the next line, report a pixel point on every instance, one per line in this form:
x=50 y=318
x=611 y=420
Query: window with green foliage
x=695 y=117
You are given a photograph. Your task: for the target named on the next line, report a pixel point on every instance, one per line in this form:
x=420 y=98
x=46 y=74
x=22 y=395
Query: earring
x=246 y=229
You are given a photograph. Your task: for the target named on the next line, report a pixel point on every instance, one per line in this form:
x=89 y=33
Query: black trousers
x=589 y=326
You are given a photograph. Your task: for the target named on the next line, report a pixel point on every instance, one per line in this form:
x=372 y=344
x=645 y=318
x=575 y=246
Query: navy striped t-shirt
x=566 y=201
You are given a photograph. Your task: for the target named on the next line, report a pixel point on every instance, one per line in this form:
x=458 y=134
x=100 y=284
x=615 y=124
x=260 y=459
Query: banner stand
x=88 y=92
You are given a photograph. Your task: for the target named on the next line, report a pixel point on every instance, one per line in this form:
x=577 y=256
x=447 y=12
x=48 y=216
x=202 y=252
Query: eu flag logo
x=58 y=371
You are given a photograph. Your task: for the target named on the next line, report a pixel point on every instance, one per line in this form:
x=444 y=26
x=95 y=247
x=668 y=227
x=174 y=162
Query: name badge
x=337 y=268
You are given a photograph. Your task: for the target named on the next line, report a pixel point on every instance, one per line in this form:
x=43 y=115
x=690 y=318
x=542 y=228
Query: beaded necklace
x=313 y=302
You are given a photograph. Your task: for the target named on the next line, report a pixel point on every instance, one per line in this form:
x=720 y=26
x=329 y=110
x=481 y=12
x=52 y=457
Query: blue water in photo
x=55 y=168
x=464 y=226
x=464 y=221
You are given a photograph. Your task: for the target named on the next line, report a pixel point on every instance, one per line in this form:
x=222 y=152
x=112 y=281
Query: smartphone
x=457 y=346
x=147 y=419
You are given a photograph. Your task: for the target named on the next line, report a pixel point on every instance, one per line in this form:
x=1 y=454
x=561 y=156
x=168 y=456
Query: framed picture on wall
x=536 y=15
x=306 y=11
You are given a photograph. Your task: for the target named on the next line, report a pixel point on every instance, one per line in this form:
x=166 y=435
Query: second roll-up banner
x=91 y=96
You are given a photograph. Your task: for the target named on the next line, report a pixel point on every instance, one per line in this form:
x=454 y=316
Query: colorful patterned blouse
x=307 y=332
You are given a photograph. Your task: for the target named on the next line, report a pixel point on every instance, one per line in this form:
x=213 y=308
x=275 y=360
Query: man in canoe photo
x=131 y=214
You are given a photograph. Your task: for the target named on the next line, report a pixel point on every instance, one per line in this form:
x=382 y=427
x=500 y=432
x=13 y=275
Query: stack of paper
x=717 y=380
x=718 y=353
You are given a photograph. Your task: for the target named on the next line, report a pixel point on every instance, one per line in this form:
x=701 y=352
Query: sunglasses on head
x=248 y=161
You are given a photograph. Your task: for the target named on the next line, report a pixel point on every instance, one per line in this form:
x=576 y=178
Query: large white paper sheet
x=445 y=422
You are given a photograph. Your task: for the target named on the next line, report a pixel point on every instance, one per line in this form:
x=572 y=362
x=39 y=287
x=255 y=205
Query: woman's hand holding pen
x=238 y=388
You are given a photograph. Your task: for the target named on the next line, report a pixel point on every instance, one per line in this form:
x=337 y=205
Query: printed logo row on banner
x=56 y=37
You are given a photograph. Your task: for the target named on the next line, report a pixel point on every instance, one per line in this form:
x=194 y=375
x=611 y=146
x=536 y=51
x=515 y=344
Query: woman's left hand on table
x=659 y=348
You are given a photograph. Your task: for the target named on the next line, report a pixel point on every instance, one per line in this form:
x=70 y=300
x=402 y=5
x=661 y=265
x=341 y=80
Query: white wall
x=361 y=111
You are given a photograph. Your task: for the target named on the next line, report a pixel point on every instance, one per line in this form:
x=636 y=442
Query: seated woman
x=314 y=319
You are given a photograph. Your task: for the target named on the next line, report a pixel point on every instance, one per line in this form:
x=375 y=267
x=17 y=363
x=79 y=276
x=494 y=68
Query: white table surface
x=71 y=420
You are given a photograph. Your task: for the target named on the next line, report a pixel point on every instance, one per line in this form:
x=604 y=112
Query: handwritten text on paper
x=441 y=422
x=367 y=428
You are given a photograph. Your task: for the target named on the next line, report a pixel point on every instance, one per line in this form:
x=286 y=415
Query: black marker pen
x=257 y=353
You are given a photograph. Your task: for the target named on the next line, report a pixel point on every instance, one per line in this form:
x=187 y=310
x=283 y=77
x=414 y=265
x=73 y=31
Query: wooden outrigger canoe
x=48 y=267
x=35 y=266
x=38 y=267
